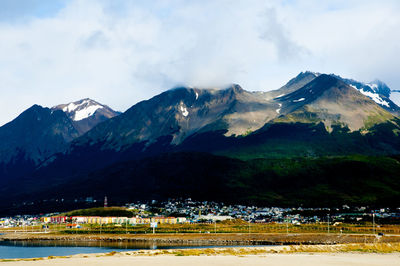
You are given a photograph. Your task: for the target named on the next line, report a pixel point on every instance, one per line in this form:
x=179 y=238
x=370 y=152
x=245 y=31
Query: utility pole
x=287 y=225
x=373 y=223
x=328 y=223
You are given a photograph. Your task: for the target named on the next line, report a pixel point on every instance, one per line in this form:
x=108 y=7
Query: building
x=118 y=220
x=58 y=219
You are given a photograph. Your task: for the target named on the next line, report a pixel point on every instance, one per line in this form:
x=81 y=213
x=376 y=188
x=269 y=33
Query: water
x=17 y=251
x=37 y=249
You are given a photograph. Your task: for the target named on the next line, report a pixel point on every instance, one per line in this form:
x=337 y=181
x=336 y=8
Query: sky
x=119 y=52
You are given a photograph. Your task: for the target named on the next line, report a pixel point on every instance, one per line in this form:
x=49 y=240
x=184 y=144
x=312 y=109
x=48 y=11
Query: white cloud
x=120 y=52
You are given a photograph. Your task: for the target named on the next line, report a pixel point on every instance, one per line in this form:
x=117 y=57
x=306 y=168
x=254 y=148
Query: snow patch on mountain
x=279 y=109
x=299 y=100
x=371 y=93
x=81 y=109
x=86 y=112
x=351 y=85
x=184 y=111
x=373 y=86
x=70 y=108
x=375 y=97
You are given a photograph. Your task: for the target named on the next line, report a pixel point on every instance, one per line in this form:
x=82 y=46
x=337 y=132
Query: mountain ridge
x=184 y=111
x=313 y=116
x=234 y=122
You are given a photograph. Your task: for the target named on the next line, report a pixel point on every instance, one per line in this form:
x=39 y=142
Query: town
x=188 y=211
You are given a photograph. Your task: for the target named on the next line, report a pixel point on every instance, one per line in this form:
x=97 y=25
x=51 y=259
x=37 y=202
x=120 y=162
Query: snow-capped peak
x=372 y=90
x=81 y=109
x=376 y=90
x=375 y=97
x=375 y=86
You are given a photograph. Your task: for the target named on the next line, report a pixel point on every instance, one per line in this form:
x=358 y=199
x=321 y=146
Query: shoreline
x=209 y=239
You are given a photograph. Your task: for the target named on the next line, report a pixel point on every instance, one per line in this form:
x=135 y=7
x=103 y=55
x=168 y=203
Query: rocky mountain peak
x=86 y=113
x=235 y=88
x=81 y=109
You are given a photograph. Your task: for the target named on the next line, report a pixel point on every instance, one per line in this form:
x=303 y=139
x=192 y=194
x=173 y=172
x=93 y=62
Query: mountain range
x=225 y=144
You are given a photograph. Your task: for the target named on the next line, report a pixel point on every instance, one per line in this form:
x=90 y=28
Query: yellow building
x=93 y=220
x=143 y=220
x=102 y=220
x=164 y=220
x=107 y=220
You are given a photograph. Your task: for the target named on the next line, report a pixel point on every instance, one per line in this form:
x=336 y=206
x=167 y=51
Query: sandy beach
x=281 y=256
x=270 y=259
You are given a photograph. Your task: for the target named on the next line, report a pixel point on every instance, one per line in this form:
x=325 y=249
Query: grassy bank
x=235 y=227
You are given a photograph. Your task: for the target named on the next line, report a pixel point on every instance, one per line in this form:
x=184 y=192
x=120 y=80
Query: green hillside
x=103 y=212
x=324 y=181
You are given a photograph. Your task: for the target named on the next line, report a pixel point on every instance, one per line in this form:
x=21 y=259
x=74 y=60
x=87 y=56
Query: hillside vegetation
x=325 y=181
x=103 y=212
